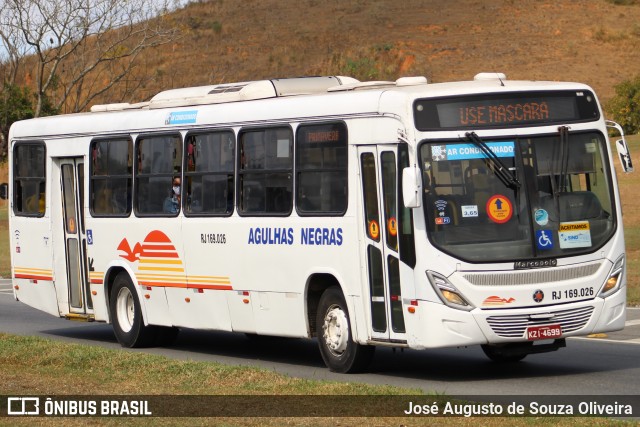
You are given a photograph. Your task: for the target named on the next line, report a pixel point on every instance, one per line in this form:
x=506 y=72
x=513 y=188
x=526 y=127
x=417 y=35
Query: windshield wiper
x=499 y=169
x=564 y=159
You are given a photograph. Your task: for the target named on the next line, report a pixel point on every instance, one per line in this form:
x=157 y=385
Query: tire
x=505 y=353
x=337 y=347
x=126 y=315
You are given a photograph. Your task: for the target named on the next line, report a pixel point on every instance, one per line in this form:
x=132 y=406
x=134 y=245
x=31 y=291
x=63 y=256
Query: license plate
x=544 y=332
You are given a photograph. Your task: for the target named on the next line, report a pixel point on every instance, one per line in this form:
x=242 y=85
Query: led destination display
x=504 y=110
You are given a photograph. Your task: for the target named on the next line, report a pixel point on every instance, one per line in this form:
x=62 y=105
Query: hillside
x=591 y=41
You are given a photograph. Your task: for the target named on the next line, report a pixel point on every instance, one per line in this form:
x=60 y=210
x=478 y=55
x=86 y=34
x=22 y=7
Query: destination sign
x=505 y=110
x=334 y=132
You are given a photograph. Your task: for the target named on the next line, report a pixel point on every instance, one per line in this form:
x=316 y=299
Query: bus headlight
x=448 y=293
x=615 y=278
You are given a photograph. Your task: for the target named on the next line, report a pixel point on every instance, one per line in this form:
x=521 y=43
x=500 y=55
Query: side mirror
x=625 y=157
x=411 y=187
x=4 y=191
x=621 y=147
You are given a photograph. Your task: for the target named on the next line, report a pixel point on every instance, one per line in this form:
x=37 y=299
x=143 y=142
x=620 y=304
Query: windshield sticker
x=374 y=229
x=499 y=209
x=544 y=240
x=469 y=211
x=541 y=217
x=576 y=234
x=392 y=226
x=470 y=151
x=441 y=205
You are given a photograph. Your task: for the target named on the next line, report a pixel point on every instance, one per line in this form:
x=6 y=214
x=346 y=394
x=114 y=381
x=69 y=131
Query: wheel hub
x=336 y=330
x=125 y=310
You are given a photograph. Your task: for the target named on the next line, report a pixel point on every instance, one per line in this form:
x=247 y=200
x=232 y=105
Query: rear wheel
x=337 y=347
x=126 y=315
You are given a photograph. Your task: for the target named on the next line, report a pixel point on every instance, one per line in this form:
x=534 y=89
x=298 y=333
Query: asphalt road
x=588 y=366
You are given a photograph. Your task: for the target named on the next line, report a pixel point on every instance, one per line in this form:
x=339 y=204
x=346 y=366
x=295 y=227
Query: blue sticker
x=544 y=239
x=541 y=217
x=89 y=237
x=471 y=151
x=181 y=117
x=443 y=220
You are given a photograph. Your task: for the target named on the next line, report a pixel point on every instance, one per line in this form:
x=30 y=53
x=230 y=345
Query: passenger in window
x=172 y=202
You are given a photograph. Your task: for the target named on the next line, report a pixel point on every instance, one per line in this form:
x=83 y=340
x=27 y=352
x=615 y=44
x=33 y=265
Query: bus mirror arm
x=4 y=191
x=621 y=147
x=411 y=187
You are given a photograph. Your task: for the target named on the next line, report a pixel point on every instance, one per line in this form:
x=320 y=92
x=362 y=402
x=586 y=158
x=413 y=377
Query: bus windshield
x=562 y=206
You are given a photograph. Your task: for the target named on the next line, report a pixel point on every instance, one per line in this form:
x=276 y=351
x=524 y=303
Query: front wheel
x=126 y=314
x=337 y=347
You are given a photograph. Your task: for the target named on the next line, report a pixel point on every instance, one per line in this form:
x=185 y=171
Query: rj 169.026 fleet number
x=572 y=293
x=213 y=238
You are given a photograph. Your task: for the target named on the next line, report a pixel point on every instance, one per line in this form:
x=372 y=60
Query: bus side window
x=321 y=169
x=111 y=177
x=159 y=162
x=209 y=173
x=29 y=179
x=266 y=169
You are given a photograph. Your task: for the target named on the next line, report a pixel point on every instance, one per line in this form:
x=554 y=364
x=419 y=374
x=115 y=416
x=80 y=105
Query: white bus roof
x=271 y=100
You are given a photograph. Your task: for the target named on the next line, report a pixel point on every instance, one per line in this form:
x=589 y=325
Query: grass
x=37 y=366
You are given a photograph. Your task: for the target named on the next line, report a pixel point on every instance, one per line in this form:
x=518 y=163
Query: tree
x=16 y=103
x=76 y=50
x=625 y=106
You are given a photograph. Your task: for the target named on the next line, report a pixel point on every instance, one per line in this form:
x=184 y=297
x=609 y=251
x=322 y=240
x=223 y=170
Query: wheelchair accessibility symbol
x=544 y=240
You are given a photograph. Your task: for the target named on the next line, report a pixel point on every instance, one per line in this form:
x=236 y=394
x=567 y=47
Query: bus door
x=75 y=239
x=379 y=174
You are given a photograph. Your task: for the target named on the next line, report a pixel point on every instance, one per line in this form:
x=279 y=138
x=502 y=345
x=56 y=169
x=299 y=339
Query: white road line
x=635 y=322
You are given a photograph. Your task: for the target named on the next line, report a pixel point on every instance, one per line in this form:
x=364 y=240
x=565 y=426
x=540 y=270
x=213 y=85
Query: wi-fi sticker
x=441 y=204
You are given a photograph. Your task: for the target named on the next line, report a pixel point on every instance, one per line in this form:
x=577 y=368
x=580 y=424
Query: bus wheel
x=506 y=353
x=126 y=314
x=337 y=347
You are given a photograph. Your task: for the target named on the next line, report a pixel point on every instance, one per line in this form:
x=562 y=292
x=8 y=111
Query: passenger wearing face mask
x=172 y=202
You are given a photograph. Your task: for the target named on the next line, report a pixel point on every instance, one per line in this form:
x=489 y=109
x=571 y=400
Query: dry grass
x=96 y=372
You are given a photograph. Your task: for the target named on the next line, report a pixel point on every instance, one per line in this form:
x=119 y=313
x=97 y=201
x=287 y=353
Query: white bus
x=365 y=214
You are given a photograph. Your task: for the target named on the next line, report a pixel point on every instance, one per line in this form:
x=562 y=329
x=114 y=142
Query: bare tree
x=80 y=48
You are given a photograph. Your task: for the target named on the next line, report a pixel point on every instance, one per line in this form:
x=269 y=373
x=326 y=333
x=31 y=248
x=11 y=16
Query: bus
x=405 y=214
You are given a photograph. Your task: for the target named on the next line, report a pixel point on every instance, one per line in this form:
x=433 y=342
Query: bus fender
x=317 y=282
x=111 y=271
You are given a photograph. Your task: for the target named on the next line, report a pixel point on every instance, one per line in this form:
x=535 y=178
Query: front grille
x=532 y=277
x=515 y=326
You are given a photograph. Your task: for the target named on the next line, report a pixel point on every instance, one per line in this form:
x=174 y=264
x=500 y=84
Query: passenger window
x=29 y=179
x=111 y=177
x=158 y=174
x=209 y=169
x=321 y=169
x=265 y=173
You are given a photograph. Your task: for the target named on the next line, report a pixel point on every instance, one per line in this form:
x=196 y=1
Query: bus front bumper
x=434 y=325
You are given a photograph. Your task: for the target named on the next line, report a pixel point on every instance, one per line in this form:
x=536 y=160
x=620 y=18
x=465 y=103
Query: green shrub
x=625 y=106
